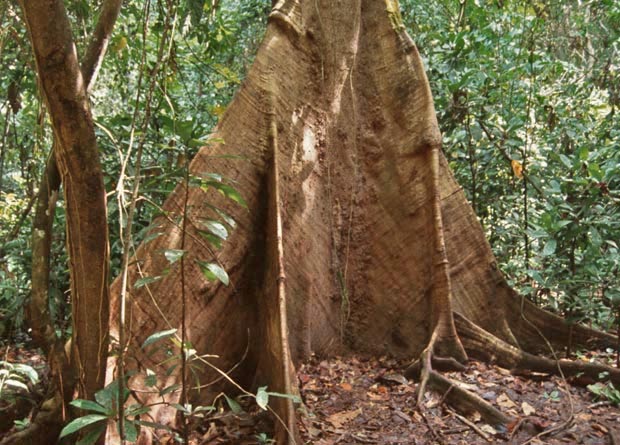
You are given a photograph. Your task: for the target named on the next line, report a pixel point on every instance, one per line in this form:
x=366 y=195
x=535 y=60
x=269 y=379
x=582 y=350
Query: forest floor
x=368 y=401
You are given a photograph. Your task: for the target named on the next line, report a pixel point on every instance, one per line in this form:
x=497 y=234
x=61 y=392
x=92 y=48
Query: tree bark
x=77 y=158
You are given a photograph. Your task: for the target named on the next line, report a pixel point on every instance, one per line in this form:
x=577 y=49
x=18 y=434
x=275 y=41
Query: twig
x=470 y=424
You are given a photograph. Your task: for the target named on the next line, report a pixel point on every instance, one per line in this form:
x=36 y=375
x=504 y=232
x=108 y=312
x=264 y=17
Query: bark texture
x=77 y=158
x=356 y=236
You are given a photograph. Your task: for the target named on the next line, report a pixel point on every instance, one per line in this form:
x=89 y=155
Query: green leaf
x=141 y=282
x=16 y=384
x=81 y=422
x=173 y=255
x=180 y=407
x=566 y=161
x=293 y=397
x=213 y=271
x=151 y=237
x=226 y=190
x=216 y=228
x=89 y=405
x=227 y=218
x=131 y=432
x=157 y=336
x=27 y=371
x=549 y=248
x=595 y=171
x=262 y=397
x=137 y=410
x=234 y=406
x=151 y=378
x=91 y=437
x=169 y=389
x=108 y=396
x=214 y=240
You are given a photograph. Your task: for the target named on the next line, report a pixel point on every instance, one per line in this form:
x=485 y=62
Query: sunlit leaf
x=81 y=422
x=173 y=255
x=213 y=271
x=262 y=397
x=157 y=336
x=141 y=282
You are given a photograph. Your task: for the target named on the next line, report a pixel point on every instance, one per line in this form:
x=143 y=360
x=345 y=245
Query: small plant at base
x=103 y=409
x=16 y=376
x=263 y=438
x=605 y=391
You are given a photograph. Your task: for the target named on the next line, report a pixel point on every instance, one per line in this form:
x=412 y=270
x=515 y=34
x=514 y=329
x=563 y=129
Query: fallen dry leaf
x=488 y=429
x=528 y=409
x=341 y=418
x=346 y=386
x=505 y=402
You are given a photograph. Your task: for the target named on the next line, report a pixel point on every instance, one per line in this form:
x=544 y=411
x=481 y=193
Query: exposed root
x=485 y=346
x=461 y=399
x=522 y=313
x=44 y=429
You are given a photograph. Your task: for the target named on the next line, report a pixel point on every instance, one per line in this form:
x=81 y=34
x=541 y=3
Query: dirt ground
x=368 y=401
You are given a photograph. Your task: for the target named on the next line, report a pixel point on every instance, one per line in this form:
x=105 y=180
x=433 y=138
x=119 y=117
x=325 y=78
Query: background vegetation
x=527 y=94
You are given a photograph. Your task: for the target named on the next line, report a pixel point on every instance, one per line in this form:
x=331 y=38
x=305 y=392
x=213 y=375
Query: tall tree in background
x=356 y=236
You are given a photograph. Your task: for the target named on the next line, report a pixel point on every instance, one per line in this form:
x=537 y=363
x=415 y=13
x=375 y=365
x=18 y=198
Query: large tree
x=356 y=237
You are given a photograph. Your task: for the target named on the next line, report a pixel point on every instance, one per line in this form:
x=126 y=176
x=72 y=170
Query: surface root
x=484 y=346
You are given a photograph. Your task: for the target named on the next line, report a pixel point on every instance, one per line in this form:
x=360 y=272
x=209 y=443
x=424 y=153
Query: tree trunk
x=77 y=158
x=356 y=236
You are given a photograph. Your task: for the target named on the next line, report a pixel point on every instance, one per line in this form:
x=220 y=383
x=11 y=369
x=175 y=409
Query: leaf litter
x=357 y=400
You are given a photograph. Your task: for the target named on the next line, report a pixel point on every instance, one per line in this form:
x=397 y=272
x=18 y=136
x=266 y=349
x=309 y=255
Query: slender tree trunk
x=78 y=162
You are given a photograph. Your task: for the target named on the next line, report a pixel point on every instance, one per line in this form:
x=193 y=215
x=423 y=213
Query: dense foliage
x=527 y=95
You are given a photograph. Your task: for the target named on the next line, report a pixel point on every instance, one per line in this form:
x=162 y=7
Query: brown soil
x=355 y=400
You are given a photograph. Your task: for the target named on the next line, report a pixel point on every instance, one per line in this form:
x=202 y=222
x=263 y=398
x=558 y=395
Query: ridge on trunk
x=356 y=237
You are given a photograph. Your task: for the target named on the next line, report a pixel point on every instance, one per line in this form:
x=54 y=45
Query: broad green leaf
x=566 y=161
x=27 y=371
x=16 y=384
x=262 y=397
x=131 y=432
x=216 y=228
x=173 y=255
x=91 y=437
x=81 y=422
x=213 y=271
x=157 y=336
x=595 y=171
x=108 y=396
x=89 y=405
x=549 y=248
